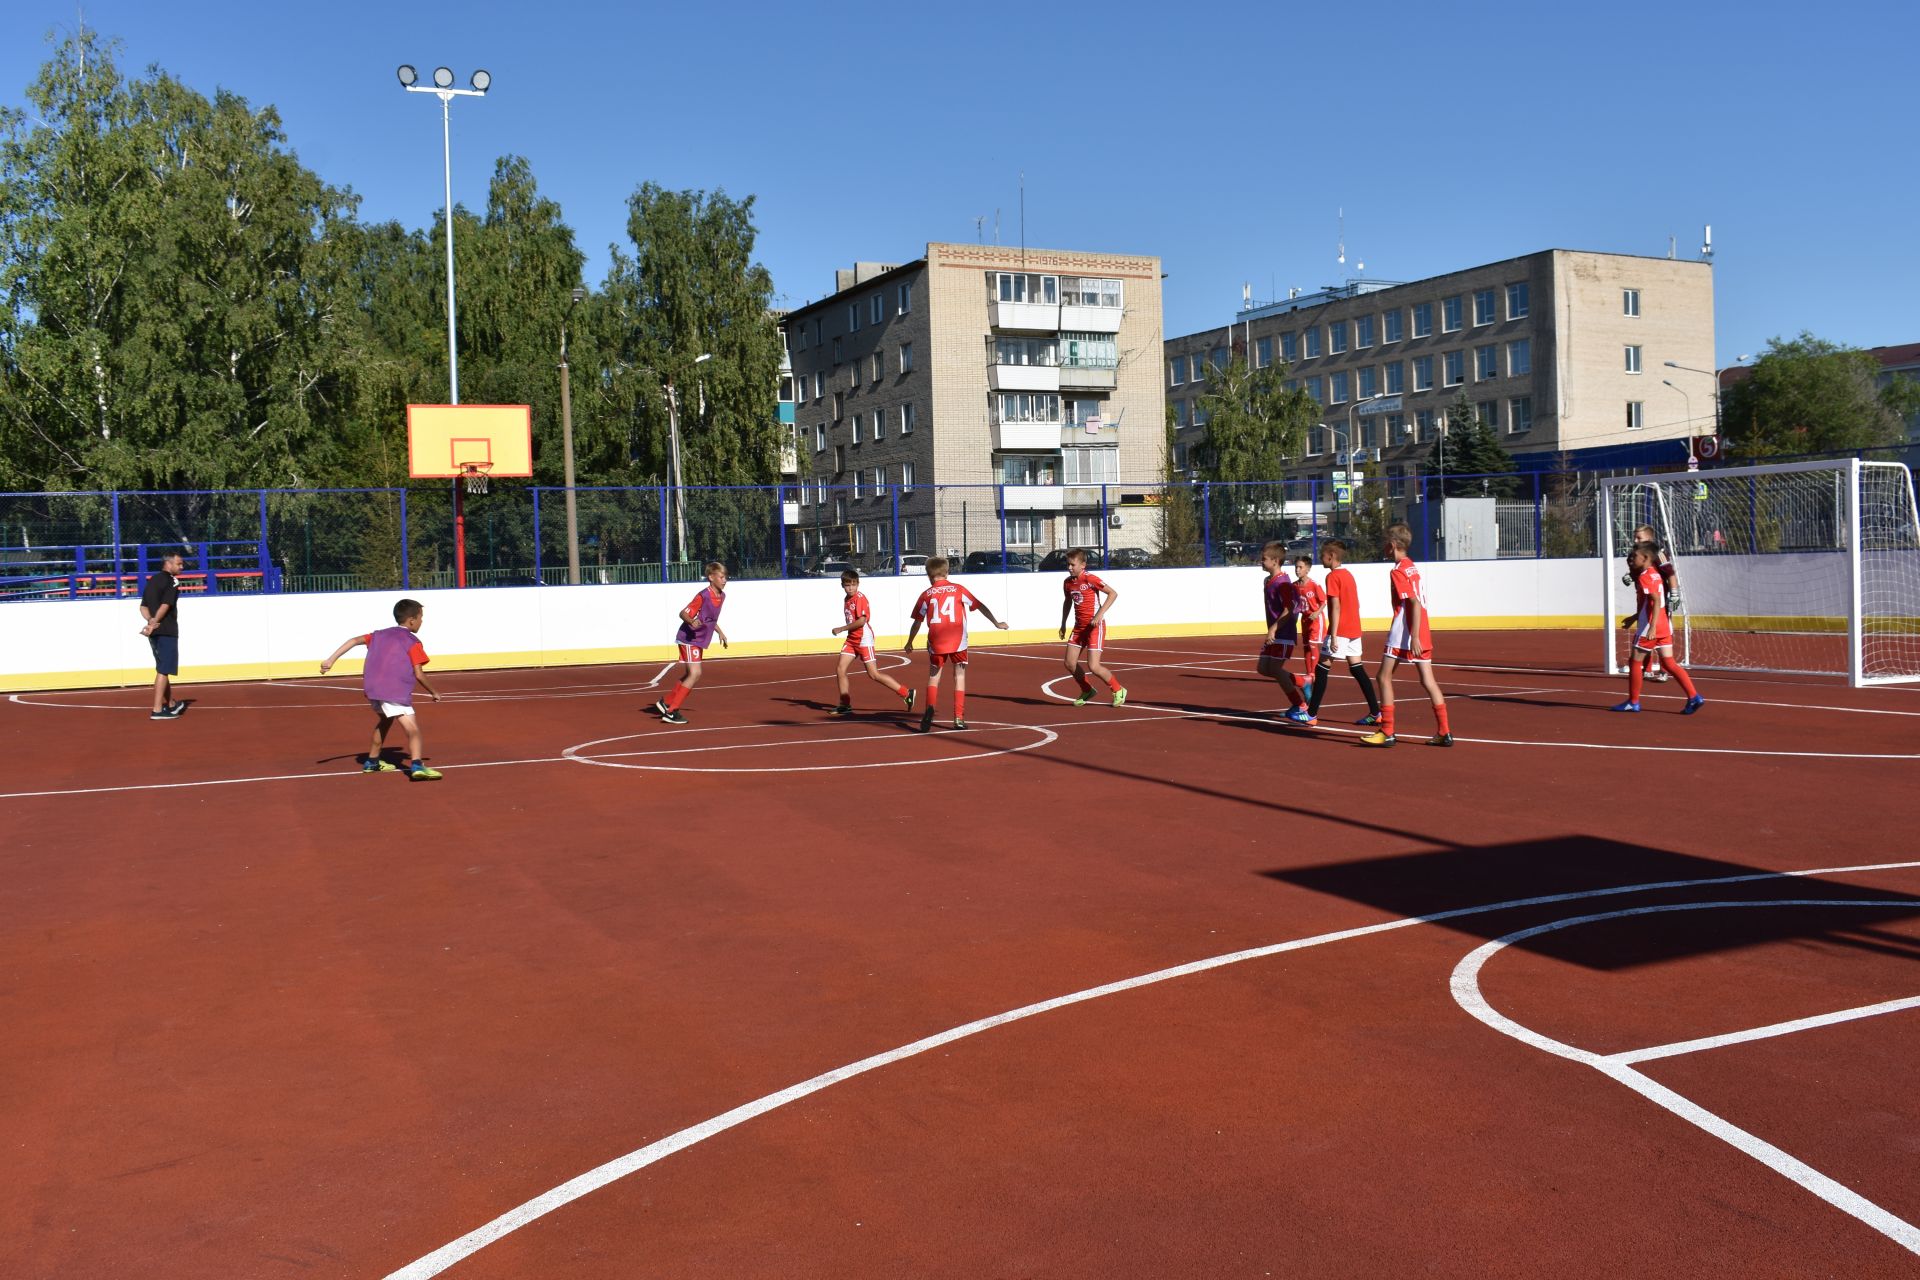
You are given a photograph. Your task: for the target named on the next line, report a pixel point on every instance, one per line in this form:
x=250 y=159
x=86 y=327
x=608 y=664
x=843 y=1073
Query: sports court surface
x=1168 y=990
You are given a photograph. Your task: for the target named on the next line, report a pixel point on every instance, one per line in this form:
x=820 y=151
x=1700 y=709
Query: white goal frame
x=1849 y=473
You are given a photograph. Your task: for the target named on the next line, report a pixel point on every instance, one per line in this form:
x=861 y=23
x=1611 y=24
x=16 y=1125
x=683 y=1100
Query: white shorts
x=391 y=710
x=1341 y=647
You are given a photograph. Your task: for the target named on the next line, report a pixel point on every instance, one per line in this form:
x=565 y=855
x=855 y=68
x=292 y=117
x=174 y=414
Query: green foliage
x=1179 y=511
x=1469 y=449
x=1255 y=423
x=1808 y=395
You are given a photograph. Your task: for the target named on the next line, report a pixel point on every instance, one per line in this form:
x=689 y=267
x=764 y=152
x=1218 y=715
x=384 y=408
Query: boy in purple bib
x=394 y=661
x=699 y=624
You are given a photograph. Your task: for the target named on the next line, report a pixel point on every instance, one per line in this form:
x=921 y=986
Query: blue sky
x=1223 y=138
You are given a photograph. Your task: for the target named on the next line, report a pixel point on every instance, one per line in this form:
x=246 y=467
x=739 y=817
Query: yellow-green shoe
x=1377 y=739
x=1119 y=697
x=1081 y=701
x=420 y=773
x=377 y=765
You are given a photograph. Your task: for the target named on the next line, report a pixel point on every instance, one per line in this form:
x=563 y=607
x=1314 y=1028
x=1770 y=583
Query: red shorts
x=1403 y=645
x=935 y=661
x=1088 y=635
x=1277 y=650
x=1316 y=634
x=861 y=648
x=690 y=653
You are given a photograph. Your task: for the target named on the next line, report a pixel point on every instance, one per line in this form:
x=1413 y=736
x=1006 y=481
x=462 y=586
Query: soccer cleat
x=377 y=765
x=1119 y=697
x=660 y=708
x=1301 y=716
x=1371 y=718
x=1659 y=677
x=1440 y=740
x=1378 y=739
x=175 y=710
x=1083 y=699
x=926 y=720
x=1693 y=704
x=420 y=773
x=1628 y=705
x=159 y=715
x=913 y=696
x=841 y=711
x=960 y=726
x=672 y=717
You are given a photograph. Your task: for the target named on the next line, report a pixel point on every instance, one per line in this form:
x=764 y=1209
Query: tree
x=1468 y=451
x=1255 y=423
x=1808 y=395
x=1179 y=517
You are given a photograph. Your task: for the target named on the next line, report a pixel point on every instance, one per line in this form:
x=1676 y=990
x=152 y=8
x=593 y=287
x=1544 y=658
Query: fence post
x=894 y=492
x=266 y=561
x=661 y=492
x=780 y=514
x=1106 y=552
x=1538 y=550
x=119 y=560
x=406 y=575
x=1003 y=527
x=538 y=576
x=1206 y=524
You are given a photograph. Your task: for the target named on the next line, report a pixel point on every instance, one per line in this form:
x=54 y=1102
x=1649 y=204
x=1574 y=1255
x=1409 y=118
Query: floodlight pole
x=566 y=431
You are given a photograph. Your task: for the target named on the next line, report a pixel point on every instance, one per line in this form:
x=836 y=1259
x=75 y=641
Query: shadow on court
x=1425 y=883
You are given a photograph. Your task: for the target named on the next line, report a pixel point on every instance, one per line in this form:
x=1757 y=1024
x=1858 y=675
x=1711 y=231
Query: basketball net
x=475 y=476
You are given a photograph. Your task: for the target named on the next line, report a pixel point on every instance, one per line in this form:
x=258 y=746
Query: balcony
x=1026 y=437
x=1023 y=377
x=1088 y=377
x=1027 y=317
x=1091 y=319
x=789 y=458
x=1033 y=497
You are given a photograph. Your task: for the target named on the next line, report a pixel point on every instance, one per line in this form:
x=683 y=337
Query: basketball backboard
x=442 y=439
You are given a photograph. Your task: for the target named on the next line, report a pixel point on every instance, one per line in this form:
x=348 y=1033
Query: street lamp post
x=1668 y=382
x=442 y=88
x=679 y=477
x=566 y=439
x=1705 y=373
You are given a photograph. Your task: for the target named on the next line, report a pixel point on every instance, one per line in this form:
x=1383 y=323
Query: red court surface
x=1168 y=990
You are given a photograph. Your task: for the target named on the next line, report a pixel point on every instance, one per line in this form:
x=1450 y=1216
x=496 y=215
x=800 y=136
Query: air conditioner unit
x=1114 y=521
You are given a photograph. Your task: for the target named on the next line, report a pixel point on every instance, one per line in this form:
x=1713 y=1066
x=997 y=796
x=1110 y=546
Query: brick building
x=979 y=388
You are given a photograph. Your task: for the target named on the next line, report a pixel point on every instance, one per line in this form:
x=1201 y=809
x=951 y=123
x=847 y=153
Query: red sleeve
x=693 y=607
x=1095 y=583
x=366 y=639
x=419 y=654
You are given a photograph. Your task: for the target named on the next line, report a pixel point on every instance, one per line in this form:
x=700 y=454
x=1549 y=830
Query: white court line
x=615 y=759
x=613 y=1170
x=1681 y=1047
x=1465 y=985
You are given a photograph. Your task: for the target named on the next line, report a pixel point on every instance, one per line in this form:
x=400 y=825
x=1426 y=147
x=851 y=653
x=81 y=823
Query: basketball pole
x=460 y=531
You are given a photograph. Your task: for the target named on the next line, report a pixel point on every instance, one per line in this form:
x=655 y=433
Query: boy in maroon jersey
x=943 y=606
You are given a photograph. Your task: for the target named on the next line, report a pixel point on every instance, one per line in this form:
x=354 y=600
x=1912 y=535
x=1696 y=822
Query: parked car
x=989 y=562
x=831 y=567
x=1056 y=562
x=913 y=564
x=1130 y=558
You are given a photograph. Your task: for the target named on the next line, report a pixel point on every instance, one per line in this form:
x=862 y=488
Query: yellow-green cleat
x=1119 y=697
x=420 y=773
x=1377 y=739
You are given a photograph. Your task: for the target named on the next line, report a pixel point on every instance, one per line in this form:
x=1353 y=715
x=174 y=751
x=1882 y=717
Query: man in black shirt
x=160 y=606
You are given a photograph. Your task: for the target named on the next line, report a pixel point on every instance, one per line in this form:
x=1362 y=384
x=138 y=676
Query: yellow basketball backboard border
x=442 y=438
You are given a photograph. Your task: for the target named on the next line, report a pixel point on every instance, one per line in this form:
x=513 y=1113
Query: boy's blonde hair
x=1400 y=536
x=1276 y=549
x=714 y=564
x=1078 y=553
x=936 y=565
x=1333 y=547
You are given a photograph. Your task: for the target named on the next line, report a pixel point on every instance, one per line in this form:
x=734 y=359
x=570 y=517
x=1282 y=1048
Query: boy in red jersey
x=859 y=645
x=1277 y=594
x=943 y=607
x=1408 y=640
x=1085 y=604
x=699 y=624
x=395 y=662
x=1669 y=583
x=1343 y=633
x=1310 y=602
x=1652 y=633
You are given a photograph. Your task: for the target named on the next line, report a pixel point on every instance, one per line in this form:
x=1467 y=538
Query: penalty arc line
x=594 y=1179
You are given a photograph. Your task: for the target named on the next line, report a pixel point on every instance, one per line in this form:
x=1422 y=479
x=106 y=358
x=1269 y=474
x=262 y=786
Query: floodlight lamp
x=579 y=295
x=481 y=80
x=703 y=359
x=407 y=75
x=442 y=78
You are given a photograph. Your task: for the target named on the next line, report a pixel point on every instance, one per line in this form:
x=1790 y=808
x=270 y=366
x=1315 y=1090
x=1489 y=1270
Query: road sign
x=1379 y=404
x=1706 y=448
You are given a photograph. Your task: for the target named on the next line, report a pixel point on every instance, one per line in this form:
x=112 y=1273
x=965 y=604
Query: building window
x=906 y=419
x=1313 y=342
x=1369 y=382
x=1289 y=347
x=879 y=482
x=839 y=510
x=1201 y=414
x=1396 y=377
x=1517 y=301
x=1363 y=332
x=1083 y=291
x=1337 y=337
x=1370 y=432
x=1023 y=530
x=797 y=388
x=1339 y=381
x=1423 y=319
x=1633 y=359
x=1314 y=389
x=859 y=531
x=1396 y=429
x=836 y=349
x=909 y=530
x=839 y=403
x=1520 y=414
x=856 y=428
x=1262 y=352
x=819 y=384
x=853 y=376
x=1089 y=350
x=1454 y=368
x=1489 y=413
x=906 y=480
x=879 y=366
x=1090 y=466
x=856 y=485
x=1081 y=412
x=1390 y=326
x=1636 y=414
x=1042 y=352
x=877 y=308
x=819 y=493
x=1450 y=314
x=1028 y=469
x=1027 y=406
x=1630 y=302
x=1483 y=307
x=878 y=425
x=1018 y=286
x=853 y=317
x=1423 y=373
x=882 y=536
x=1085 y=531
x=1219 y=358
x=1424 y=428
x=906 y=357
x=1179 y=413
x=1486 y=363
x=1177 y=371
x=1316 y=441
x=903 y=297
x=1519 y=357
x=820 y=438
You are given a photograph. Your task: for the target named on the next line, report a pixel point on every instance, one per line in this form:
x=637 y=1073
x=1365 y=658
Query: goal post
x=1807 y=567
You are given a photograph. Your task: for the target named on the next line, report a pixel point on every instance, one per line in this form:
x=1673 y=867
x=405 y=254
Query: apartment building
x=1563 y=352
x=977 y=393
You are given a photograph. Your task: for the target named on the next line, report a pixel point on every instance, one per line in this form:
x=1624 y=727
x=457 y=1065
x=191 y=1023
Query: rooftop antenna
x=1343 y=237
x=1246 y=296
x=1023 y=217
x=1706 y=246
x=996 y=228
x=1673 y=246
x=979 y=228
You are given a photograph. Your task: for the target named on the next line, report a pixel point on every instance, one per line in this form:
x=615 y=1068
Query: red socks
x=959 y=704
x=678 y=696
x=933 y=695
x=904 y=693
x=1440 y=714
x=1386 y=720
x=1681 y=678
x=1635 y=679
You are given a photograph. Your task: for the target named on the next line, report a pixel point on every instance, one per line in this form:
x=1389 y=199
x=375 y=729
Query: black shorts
x=166 y=654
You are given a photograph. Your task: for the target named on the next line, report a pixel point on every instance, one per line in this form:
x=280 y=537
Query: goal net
x=1807 y=567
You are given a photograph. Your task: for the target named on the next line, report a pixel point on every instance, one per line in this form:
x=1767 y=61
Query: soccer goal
x=1806 y=567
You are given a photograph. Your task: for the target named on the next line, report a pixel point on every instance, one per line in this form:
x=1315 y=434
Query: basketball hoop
x=475 y=475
